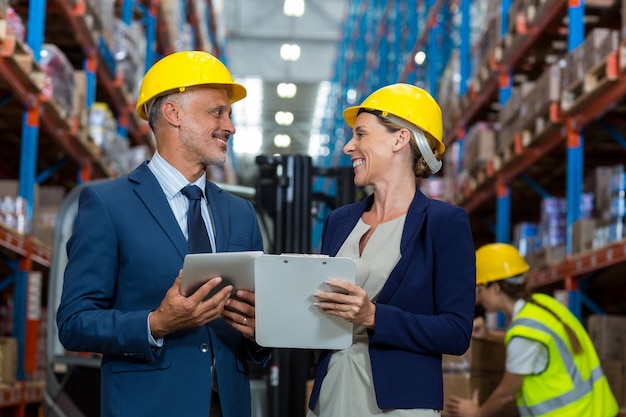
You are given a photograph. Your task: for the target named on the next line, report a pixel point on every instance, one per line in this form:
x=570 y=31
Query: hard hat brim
x=235 y=91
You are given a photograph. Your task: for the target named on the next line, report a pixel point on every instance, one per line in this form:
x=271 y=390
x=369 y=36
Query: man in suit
x=164 y=354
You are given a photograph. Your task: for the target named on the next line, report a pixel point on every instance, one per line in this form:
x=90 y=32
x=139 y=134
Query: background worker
x=414 y=294
x=552 y=368
x=121 y=288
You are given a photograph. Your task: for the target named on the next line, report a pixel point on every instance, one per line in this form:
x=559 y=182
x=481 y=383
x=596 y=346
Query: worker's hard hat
x=498 y=261
x=407 y=102
x=180 y=70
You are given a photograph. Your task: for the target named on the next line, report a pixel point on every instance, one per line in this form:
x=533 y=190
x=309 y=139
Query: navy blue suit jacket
x=124 y=254
x=426 y=307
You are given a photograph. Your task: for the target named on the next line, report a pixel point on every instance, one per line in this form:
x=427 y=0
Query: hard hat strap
x=422 y=143
x=515 y=280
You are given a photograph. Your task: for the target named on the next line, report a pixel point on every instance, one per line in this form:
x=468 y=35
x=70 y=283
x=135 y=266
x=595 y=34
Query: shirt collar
x=517 y=307
x=171 y=180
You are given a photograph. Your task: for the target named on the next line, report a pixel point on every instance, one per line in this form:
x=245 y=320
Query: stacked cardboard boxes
x=480 y=368
x=608 y=334
x=8 y=361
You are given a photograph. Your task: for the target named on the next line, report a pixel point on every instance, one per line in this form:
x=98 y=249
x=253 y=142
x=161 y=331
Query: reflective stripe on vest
x=581 y=388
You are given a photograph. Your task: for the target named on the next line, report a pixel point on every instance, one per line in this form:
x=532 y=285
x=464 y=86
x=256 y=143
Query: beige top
x=348 y=388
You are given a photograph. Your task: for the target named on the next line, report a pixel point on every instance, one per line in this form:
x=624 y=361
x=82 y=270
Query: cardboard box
x=11 y=188
x=597 y=46
x=482 y=356
x=463 y=384
x=8 y=360
x=487 y=356
x=582 y=235
x=598 y=182
x=44 y=224
x=42 y=194
x=480 y=146
x=608 y=335
x=615 y=372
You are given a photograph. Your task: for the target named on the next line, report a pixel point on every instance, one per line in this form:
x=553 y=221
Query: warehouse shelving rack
x=394 y=31
x=498 y=191
x=565 y=135
x=501 y=188
x=49 y=145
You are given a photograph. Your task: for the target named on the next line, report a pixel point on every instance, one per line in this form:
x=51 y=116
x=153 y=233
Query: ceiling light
x=293 y=8
x=247 y=118
x=351 y=96
x=286 y=90
x=284 y=118
x=248 y=141
x=420 y=57
x=282 y=141
x=290 y=52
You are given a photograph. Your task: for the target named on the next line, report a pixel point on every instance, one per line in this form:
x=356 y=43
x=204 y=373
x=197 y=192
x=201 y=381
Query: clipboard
x=285 y=314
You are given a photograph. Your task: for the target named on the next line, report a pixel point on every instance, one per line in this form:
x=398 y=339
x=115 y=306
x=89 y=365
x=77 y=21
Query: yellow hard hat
x=407 y=102
x=186 y=69
x=498 y=261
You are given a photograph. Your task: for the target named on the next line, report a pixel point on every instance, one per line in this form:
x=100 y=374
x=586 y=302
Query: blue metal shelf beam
x=465 y=62
x=376 y=36
x=575 y=147
x=28 y=167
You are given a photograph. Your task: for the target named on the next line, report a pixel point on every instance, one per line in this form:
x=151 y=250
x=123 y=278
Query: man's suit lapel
x=150 y=192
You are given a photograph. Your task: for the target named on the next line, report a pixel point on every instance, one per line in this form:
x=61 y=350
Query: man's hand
x=179 y=312
x=240 y=313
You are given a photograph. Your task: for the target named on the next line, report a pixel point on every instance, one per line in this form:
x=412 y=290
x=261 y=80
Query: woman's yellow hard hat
x=408 y=102
x=184 y=69
x=498 y=261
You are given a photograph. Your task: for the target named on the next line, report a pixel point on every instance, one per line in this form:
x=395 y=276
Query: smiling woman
x=409 y=304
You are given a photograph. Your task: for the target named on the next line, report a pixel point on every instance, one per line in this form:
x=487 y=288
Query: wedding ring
x=245 y=321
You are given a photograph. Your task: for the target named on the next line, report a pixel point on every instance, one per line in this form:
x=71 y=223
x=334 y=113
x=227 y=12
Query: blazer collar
x=150 y=192
x=414 y=218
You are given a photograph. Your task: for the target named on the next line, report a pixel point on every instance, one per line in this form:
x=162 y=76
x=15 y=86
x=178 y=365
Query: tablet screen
x=235 y=268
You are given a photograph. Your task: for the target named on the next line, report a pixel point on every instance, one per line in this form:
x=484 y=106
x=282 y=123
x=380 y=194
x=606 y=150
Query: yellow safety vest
x=571 y=385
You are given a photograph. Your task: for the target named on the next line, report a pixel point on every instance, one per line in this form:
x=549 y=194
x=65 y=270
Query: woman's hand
x=480 y=328
x=348 y=301
x=462 y=407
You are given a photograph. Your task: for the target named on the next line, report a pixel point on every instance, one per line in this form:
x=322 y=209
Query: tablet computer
x=235 y=268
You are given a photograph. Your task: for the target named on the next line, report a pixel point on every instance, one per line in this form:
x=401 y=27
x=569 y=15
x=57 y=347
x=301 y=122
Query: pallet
x=470 y=96
x=572 y=95
x=60 y=117
x=622 y=56
x=485 y=172
x=541 y=124
x=595 y=81
x=484 y=73
x=603 y=73
x=536 y=8
x=506 y=154
x=18 y=57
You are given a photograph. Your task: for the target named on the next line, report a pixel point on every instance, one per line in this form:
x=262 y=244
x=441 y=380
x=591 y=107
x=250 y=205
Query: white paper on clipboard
x=285 y=314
